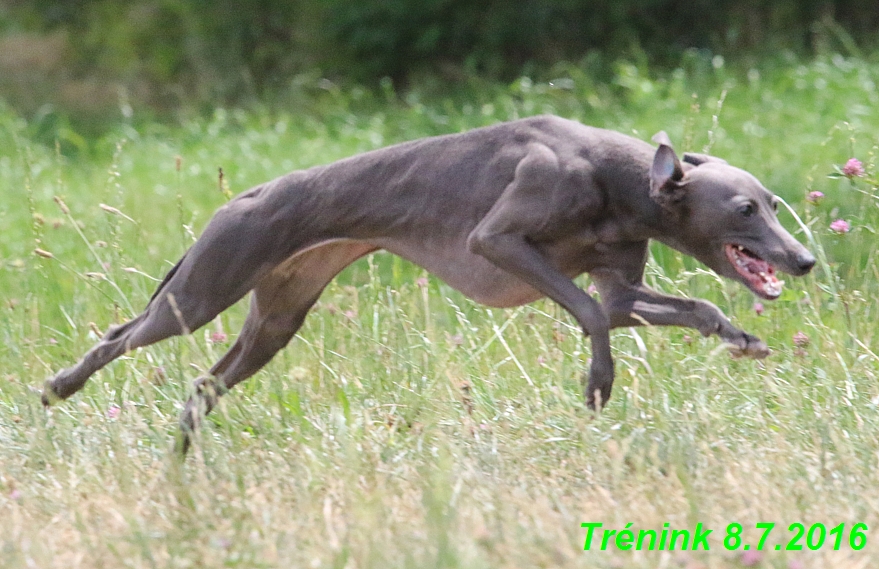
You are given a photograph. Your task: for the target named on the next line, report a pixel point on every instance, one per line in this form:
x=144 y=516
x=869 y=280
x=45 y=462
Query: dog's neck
x=627 y=189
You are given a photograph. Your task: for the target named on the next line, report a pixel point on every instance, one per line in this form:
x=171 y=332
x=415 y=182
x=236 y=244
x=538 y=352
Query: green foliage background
x=168 y=52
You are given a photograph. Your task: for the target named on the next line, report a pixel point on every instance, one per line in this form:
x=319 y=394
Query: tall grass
x=406 y=426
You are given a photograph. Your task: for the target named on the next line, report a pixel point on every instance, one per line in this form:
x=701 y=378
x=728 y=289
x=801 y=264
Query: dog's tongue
x=759 y=273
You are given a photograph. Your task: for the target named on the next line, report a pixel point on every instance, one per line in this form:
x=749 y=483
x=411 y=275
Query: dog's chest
x=601 y=244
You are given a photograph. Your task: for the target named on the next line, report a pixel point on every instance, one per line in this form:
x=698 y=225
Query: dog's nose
x=805 y=262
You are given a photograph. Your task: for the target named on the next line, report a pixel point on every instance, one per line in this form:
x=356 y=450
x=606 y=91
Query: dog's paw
x=48 y=397
x=748 y=345
x=599 y=384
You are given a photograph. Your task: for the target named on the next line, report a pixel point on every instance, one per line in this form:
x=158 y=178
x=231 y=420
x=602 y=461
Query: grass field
x=406 y=426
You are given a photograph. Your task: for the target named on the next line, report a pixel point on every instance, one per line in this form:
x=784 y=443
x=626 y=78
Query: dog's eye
x=747 y=210
x=775 y=206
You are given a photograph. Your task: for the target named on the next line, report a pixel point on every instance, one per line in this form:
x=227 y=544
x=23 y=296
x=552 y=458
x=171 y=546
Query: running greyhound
x=506 y=214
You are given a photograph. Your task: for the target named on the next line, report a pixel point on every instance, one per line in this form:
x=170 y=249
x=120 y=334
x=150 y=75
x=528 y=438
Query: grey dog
x=506 y=214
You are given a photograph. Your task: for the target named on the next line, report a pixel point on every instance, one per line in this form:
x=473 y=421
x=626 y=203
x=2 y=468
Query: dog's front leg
x=628 y=304
x=516 y=255
x=506 y=237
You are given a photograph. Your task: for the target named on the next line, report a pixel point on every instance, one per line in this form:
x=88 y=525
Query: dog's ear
x=666 y=175
x=696 y=159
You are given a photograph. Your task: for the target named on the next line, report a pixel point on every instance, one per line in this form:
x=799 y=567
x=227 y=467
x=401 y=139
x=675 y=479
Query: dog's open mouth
x=758 y=274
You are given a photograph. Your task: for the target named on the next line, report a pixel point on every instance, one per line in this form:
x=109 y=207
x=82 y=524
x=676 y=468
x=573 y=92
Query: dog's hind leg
x=117 y=341
x=175 y=310
x=278 y=307
x=221 y=267
x=169 y=313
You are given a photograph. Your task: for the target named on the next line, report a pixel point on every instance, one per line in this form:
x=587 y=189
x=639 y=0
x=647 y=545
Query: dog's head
x=725 y=218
